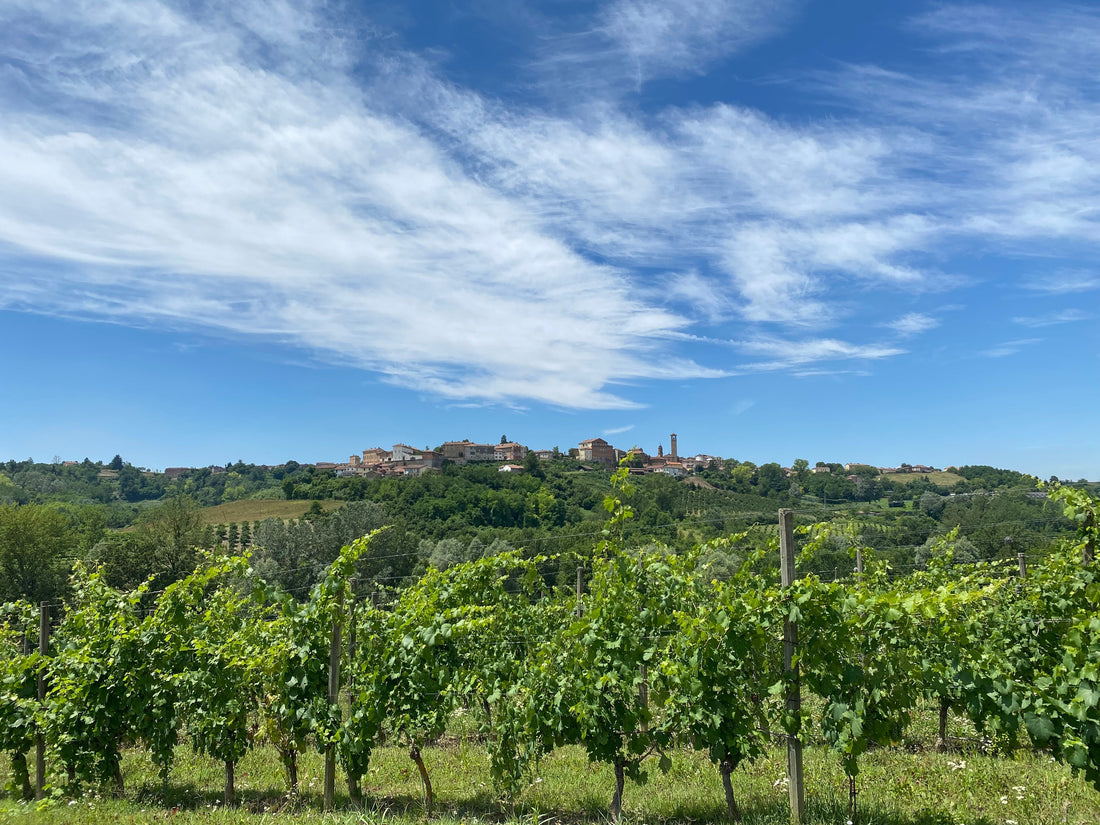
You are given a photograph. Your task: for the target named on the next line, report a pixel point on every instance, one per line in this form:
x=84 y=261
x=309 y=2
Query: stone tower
x=672 y=451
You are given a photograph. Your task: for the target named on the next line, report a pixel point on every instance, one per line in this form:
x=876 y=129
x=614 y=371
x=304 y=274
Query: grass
x=907 y=785
x=938 y=478
x=260 y=509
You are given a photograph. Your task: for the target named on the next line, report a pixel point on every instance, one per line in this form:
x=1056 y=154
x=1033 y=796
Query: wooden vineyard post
x=794 y=691
x=39 y=742
x=333 y=698
x=1022 y=562
x=859 y=566
x=580 y=589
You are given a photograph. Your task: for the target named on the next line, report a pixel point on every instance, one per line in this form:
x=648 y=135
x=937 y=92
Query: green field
x=939 y=478
x=898 y=786
x=260 y=509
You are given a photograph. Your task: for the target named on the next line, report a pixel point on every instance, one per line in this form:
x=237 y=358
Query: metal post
x=794 y=695
x=39 y=742
x=333 y=698
x=352 y=645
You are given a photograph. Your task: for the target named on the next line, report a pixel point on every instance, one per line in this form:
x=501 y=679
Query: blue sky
x=854 y=231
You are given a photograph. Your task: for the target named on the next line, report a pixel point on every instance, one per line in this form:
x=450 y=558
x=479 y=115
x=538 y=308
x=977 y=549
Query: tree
x=951 y=547
x=770 y=478
x=34 y=543
x=125 y=560
x=116 y=463
x=176 y=529
x=931 y=504
x=532 y=465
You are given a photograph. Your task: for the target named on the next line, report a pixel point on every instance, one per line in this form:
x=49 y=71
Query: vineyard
x=650 y=655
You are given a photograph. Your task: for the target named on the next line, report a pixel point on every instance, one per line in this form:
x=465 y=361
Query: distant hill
x=940 y=478
x=260 y=509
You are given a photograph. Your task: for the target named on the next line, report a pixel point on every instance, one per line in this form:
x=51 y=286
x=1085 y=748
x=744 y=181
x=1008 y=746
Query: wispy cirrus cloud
x=825 y=373
x=786 y=354
x=743 y=406
x=1061 y=283
x=1011 y=118
x=227 y=192
x=1009 y=348
x=1050 y=319
x=618 y=430
x=258 y=170
x=658 y=37
x=912 y=323
x=623 y=44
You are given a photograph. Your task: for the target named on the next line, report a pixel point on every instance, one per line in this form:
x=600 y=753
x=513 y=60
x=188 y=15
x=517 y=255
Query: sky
x=839 y=231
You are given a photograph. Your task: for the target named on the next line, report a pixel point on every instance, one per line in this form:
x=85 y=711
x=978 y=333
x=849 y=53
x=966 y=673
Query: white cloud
x=237 y=173
x=1060 y=283
x=658 y=37
x=618 y=430
x=623 y=44
x=829 y=373
x=1010 y=118
x=783 y=214
x=913 y=323
x=278 y=203
x=1009 y=348
x=706 y=297
x=1065 y=316
x=786 y=354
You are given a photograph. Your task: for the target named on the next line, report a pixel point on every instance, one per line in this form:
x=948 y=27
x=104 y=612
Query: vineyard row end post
x=795 y=786
x=39 y=742
x=333 y=699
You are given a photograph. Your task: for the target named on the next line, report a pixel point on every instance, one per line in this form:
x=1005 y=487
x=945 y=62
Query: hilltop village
x=405 y=460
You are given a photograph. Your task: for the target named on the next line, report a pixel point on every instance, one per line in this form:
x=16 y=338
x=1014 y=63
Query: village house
x=461 y=452
x=403 y=452
x=509 y=451
x=481 y=452
x=375 y=455
x=596 y=450
x=454 y=451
